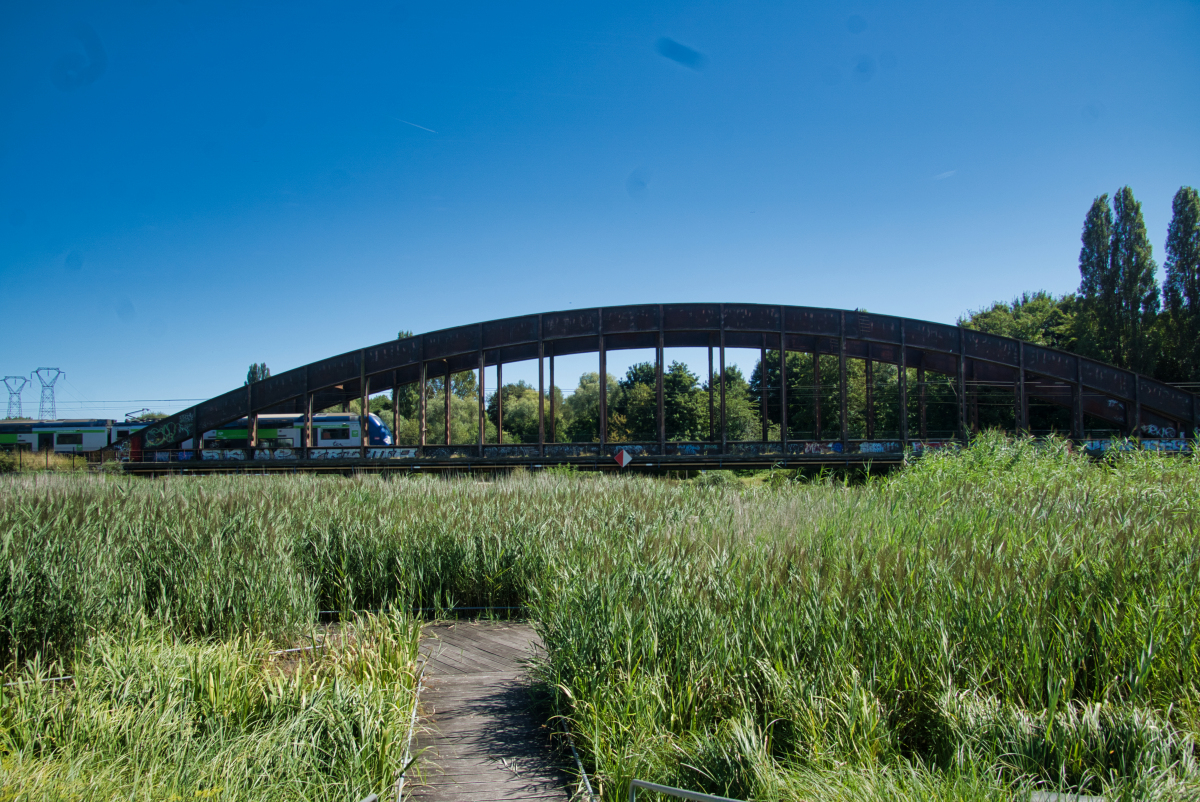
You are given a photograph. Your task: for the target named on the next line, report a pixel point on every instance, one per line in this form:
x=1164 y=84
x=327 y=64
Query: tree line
x=1120 y=314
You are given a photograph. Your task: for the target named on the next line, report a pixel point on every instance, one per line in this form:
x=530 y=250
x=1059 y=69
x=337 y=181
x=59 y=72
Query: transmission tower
x=14 y=394
x=47 y=410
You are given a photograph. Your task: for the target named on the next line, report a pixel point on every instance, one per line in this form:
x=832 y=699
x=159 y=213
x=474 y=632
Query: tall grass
x=151 y=716
x=1010 y=616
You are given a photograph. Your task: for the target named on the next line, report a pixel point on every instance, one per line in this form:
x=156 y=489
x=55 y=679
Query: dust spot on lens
x=864 y=68
x=125 y=310
x=638 y=183
x=681 y=54
x=856 y=24
x=80 y=69
x=74 y=261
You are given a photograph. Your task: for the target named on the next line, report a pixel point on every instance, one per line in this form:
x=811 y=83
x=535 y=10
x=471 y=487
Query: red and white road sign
x=623 y=457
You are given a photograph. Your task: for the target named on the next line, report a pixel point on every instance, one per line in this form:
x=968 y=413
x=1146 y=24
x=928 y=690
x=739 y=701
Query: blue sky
x=187 y=187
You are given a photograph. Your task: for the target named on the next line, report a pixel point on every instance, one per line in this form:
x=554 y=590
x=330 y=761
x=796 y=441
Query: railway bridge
x=870 y=387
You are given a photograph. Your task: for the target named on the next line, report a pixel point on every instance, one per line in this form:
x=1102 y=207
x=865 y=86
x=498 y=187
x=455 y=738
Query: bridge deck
x=479 y=739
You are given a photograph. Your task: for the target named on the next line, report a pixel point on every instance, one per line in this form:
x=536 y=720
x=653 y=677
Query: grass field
x=977 y=625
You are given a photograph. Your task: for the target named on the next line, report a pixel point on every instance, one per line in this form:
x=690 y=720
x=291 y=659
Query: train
x=274 y=431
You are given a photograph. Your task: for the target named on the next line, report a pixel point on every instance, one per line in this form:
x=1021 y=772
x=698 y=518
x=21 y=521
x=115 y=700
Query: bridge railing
x=644 y=454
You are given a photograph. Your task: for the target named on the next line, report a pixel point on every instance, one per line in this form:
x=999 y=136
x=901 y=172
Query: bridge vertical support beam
x=816 y=391
x=1022 y=400
x=364 y=389
x=553 y=427
x=422 y=403
x=724 y=422
x=870 y=388
x=251 y=419
x=603 y=422
x=446 y=394
x=962 y=384
x=365 y=417
x=541 y=391
x=973 y=394
x=659 y=389
x=482 y=405
x=845 y=412
x=395 y=410
x=902 y=377
x=922 y=406
x=1137 y=407
x=308 y=413
x=1195 y=417
x=712 y=420
x=783 y=403
x=499 y=404
x=762 y=388
x=1077 y=401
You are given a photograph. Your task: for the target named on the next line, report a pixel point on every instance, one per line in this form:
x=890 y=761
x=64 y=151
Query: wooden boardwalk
x=479 y=740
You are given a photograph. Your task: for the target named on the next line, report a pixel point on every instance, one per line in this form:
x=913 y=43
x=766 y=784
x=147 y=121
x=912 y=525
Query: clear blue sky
x=186 y=187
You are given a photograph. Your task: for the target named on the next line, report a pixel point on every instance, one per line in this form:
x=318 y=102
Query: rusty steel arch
x=1126 y=400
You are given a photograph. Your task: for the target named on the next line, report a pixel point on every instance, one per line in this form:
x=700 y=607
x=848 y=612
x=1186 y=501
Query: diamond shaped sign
x=623 y=457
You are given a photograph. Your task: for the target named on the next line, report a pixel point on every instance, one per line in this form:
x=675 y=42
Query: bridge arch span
x=1132 y=403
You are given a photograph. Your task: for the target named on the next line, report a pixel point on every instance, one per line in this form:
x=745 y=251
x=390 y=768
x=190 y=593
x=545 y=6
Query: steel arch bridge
x=1118 y=400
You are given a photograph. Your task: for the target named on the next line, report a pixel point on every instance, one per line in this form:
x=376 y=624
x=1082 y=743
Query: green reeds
x=985 y=622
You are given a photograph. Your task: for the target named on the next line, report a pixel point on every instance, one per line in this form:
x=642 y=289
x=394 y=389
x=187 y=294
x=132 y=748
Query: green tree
x=257 y=373
x=1037 y=317
x=1181 y=289
x=1118 y=290
x=582 y=408
x=1137 y=287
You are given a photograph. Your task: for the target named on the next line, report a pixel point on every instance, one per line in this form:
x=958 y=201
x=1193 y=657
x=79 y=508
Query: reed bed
x=1010 y=617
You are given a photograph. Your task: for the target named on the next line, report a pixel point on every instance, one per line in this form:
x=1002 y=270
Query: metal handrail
x=677 y=792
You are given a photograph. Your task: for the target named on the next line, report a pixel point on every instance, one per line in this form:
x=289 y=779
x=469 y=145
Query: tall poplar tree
x=1097 y=290
x=1133 y=269
x=1181 y=290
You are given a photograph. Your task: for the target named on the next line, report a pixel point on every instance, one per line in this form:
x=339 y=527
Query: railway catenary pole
x=902 y=377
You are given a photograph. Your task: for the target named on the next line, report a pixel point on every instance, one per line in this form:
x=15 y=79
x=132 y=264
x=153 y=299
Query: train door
x=45 y=440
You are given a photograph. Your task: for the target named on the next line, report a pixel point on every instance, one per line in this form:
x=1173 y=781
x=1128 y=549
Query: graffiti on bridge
x=169 y=431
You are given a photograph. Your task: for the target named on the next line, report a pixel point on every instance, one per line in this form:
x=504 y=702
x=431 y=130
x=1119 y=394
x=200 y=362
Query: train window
x=122 y=433
x=70 y=439
x=335 y=434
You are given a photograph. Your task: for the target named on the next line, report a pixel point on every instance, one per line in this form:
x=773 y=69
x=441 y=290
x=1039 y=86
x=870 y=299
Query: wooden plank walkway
x=479 y=740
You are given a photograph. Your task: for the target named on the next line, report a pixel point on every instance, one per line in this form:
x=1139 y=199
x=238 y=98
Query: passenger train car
x=287 y=431
x=274 y=431
x=65 y=436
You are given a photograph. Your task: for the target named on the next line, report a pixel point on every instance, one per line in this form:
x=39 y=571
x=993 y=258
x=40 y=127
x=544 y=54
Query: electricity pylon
x=47 y=410
x=14 y=394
